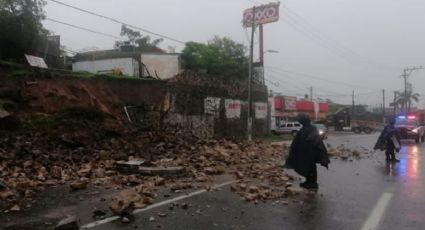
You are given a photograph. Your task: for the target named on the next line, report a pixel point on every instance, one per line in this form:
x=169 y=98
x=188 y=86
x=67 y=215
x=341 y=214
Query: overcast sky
x=336 y=46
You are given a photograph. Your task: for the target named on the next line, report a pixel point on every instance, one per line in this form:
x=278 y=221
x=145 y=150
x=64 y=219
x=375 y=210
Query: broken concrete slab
x=68 y=223
x=161 y=171
x=131 y=166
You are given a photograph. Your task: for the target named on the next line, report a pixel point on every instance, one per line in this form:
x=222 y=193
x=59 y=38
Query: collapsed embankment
x=204 y=105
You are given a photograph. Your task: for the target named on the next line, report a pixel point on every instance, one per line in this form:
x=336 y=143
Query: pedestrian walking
x=389 y=140
x=307 y=149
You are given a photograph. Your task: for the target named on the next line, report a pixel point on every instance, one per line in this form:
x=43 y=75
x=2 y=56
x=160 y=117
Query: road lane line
x=378 y=212
x=162 y=203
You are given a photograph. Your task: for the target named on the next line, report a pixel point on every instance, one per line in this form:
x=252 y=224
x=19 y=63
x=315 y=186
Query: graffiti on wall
x=260 y=110
x=233 y=108
x=212 y=106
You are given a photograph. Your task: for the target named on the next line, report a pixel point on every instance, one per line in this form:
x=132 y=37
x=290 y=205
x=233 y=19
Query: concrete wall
x=128 y=66
x=165 y=65
x=222 y=114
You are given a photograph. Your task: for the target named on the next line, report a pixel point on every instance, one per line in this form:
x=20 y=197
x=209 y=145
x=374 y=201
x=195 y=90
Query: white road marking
x=165 y=202
x=375 y=217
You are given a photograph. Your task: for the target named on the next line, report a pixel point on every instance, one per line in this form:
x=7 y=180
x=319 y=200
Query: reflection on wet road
x=410 y=156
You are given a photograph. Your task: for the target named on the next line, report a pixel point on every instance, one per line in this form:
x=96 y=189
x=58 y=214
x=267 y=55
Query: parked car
x=288 y=128
x=323 y=131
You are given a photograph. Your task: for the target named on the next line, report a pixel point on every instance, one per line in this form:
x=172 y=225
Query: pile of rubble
x=344 y=153
x=34 y=160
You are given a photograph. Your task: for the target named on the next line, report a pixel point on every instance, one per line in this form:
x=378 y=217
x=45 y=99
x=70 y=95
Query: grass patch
x=20 y=72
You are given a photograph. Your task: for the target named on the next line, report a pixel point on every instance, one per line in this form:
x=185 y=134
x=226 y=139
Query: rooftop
x=114 y=53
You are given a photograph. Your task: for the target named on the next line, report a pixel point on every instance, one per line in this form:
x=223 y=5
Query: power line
x=68 y=50
x=318 y=78
x=118 y=21
x=303 y=22
x=325 y=92
x=324 y=40
x=306 y=84
x=292 y=88
x=83 y=28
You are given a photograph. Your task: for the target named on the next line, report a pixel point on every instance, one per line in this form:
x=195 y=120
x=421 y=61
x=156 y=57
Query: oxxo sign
x=263 y=14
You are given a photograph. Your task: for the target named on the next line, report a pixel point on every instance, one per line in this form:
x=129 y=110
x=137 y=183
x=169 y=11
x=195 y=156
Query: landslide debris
x=345 y=153
x=80 y=147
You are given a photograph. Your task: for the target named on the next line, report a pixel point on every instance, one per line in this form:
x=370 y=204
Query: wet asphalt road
x=359 y=194
x=363 y=194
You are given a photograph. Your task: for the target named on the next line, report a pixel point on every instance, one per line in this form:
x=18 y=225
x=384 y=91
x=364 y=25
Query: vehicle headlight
x=415 y=130
x=321 y=132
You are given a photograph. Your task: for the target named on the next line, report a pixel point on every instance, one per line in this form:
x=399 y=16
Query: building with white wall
x=135 y=64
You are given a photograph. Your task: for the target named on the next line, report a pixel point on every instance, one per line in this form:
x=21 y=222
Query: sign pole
x=251 y=60
x=260 y=27
x=266 y=14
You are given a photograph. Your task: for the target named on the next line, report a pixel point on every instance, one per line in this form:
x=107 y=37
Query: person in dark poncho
x=307 y=149
x=389 y=140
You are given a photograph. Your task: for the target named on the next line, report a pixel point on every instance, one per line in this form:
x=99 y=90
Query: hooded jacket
x=384 y=140
x=306 y=150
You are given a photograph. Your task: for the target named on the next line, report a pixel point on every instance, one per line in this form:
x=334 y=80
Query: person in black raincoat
x=389 y=140
x=307 y=149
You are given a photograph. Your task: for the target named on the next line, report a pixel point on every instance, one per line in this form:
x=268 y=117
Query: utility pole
x=394 y=103
x=311 y=93
x=251 y=71
x=405 y=75
x=383 y=104
x=352 y=103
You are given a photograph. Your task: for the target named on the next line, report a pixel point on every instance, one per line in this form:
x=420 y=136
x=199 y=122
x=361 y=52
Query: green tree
x=142 y=43
x=21 y=28
x=220 y=56
x=405 y=100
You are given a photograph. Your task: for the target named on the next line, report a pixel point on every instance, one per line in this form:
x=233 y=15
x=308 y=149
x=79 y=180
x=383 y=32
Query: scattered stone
x=2 y=186
x=68 y=223
x=151 y=219
x=78 y=185
x=162 y=214
x=185 y=206
x=99 y=214
x=128 y=200
x=294 y=190
x=253 y=189
x=56 y=172
x=239 y=175
x=251 y=197
x=15 y=208
x=125 y=220
x=7 y=195
x=159 y=181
